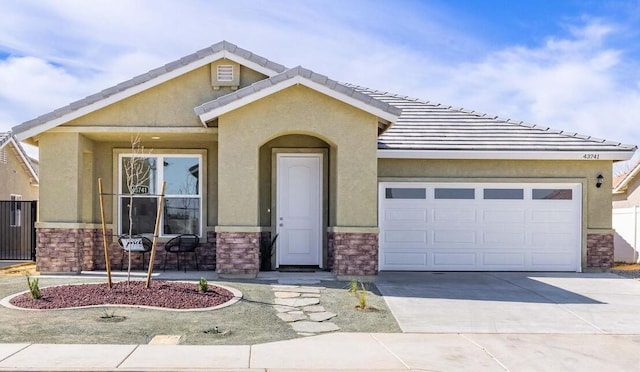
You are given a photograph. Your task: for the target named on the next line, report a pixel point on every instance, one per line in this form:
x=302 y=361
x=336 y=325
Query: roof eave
x=505 y=155
x=34 y=127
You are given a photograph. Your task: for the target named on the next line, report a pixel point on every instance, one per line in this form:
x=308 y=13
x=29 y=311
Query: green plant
x=34 y=288
x=108 y=315
x=353 y=286
x=203 y=286
x=362 y=296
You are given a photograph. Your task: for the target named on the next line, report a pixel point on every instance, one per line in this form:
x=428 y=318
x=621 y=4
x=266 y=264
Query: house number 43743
x=591 y=156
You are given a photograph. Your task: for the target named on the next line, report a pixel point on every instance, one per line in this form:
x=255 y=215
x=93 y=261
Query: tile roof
x=430 y=126
x=150 y=75
x=292 y=73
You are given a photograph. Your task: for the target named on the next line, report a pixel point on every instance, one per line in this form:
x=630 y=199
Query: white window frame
x=159 y=179
x=16 y=210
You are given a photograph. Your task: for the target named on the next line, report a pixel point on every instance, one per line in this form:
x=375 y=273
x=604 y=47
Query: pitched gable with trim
x=18 y=174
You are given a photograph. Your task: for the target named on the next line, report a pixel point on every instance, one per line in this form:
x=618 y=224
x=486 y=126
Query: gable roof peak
x=125 y=89
x=296 y=75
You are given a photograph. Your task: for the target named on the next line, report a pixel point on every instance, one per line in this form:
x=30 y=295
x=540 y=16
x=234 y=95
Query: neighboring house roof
x=410 y=128
x=294 y=76
x=145 y=81
x=429 y=128
x=8 y=139
x=621 y=182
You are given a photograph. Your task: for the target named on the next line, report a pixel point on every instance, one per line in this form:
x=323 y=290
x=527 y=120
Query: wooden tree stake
x=155 y=236
x=104 y=235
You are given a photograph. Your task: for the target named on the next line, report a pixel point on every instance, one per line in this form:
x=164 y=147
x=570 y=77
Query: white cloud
x=572 y=84
x=65 y=50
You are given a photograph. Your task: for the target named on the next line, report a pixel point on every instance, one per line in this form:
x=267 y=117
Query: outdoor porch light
x=599 y=180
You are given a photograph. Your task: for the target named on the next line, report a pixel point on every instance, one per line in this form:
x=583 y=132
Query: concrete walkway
x=345 y=351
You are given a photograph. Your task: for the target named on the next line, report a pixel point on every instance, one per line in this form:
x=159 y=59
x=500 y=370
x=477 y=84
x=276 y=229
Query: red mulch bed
x=171 y=295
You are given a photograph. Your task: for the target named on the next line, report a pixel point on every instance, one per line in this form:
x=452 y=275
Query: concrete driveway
x=509 y=303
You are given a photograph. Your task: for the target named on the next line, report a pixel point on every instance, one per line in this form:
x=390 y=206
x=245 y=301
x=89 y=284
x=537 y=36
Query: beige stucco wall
x=71 y=165
x=14 y=177
x=298 y=110
x=597 y=215
x=168 y=104
x=60 y=177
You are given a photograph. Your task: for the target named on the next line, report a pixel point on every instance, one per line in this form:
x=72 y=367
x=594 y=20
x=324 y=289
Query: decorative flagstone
x=313 y=309
x=284 y=309
x=297 y=302
x=287 y=294
x=300 y=307
x=289 y=317
x=321 y=317
x=311 y=295
x=290 y=288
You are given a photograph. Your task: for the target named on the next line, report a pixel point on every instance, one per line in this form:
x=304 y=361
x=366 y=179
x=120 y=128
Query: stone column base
x=599 y=251
x=67 y=250
x=353 y=254
x=238 y=253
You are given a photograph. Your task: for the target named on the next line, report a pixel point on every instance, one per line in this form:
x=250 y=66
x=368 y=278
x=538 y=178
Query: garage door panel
x=415 y=260
x=443 y=259
x=560 y=240
x=511 y=240
x=405 y=215
x=454 y=237
x=499 y=260
x=502 y=216
x=508 y=233
x=405 y=236
x=560 y=259
x=552 y=216
x=445 y=215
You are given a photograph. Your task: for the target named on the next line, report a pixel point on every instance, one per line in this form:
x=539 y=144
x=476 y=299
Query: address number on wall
x=591 y=156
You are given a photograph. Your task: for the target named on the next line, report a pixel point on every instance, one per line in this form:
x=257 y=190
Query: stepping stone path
x=300 y=307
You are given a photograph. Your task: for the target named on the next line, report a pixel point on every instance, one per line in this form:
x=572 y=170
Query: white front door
x=299 y=209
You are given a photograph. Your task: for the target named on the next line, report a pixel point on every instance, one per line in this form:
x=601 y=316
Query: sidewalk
x=345 y=351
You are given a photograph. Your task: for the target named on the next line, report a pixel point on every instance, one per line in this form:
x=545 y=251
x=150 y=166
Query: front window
x=141 y=180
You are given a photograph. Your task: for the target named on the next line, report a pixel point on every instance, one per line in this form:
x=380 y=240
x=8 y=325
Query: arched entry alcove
x=296 y=173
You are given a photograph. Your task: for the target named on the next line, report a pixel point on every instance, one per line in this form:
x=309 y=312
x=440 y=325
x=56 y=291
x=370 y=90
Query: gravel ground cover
x=250 y=321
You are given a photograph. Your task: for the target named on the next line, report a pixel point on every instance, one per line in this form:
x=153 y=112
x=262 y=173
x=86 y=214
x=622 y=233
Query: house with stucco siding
x=348 y=178
x=18 y=172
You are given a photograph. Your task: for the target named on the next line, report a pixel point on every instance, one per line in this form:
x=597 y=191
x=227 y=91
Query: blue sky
x=571 y=65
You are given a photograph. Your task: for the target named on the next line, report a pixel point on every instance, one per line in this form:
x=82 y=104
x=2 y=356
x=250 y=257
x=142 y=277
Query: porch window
x=182 y=211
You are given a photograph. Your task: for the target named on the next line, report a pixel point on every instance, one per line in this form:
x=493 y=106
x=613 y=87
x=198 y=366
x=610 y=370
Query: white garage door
x=480 y=227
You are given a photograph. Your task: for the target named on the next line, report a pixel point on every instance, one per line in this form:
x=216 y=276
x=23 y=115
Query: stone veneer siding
x=600 y=251
x=353 y=253
x=75 y=250
x=238 y=253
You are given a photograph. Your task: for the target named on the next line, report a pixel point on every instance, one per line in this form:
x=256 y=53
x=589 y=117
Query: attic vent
x=225 y=73
x=3 y=156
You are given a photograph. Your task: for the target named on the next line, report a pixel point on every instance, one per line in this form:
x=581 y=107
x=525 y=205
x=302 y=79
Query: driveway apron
x=508 y=302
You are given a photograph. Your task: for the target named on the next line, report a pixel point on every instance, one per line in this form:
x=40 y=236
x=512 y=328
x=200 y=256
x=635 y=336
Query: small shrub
x=203 y=286
x=353 y=286
x=108 y=315
x=34 y=288
x=362 y=296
